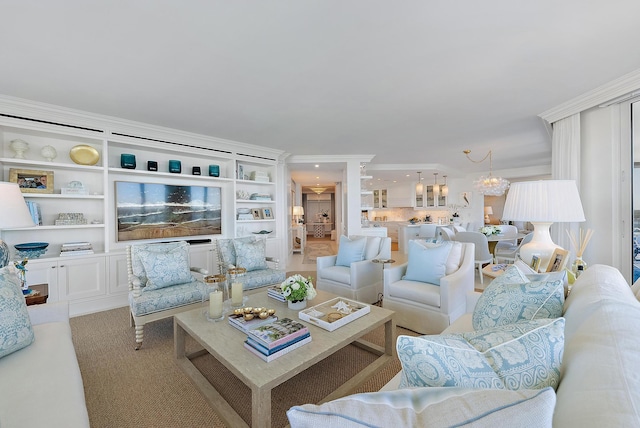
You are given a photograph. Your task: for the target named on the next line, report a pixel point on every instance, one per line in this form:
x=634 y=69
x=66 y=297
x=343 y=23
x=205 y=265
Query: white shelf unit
x=64 y=170
x=246 y=187
x=98 y=281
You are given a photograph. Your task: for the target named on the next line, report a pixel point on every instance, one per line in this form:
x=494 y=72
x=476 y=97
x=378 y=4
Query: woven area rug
x=314 y=250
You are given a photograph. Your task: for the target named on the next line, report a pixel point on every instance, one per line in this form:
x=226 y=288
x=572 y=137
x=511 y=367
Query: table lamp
x=298 y=211
x=542 y=203
x=13 y=213
x=487 y=212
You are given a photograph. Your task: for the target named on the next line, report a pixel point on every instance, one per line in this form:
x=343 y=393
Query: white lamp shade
x=488 y=210
x=298 y=210
x=13 y=209
x=542 y=203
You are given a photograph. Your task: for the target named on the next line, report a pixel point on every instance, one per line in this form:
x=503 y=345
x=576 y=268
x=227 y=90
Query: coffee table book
x=269 y=358
x=330 y=318
x=278 y=332
x=269 y=351
x=244 y=326
x=275 y=292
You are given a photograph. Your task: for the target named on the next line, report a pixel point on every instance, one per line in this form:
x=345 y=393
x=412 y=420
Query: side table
x=383 y=262
x=39 y=298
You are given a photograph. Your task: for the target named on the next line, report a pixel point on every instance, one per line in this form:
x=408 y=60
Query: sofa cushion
x=505 y=303
x=166 y=298
x=427 y=264
x=414 y=291
x=350 y=250
x=339 y=274
x=251 y=255
x=523 y=355
x=166 y=267
x=15 y=326
x=430 y=407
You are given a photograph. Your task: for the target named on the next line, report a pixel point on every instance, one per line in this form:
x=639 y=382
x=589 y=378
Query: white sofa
x=40 y=385
x=599 y=381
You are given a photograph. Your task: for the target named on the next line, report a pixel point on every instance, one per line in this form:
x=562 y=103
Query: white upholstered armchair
x=429 y=292
x=351 y=273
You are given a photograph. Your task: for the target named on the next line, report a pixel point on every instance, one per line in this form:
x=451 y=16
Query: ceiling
x=412 y=82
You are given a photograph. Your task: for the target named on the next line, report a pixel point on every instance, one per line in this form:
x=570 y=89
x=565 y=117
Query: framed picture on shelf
x=267 y=213
x=257 y=213
x=32 y=181
x=558 y=260
x=535 y=262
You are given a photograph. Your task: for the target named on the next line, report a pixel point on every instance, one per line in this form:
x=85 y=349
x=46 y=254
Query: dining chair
x=509 y=253
x=482 y=253
x=446 y=234
x=427 y=231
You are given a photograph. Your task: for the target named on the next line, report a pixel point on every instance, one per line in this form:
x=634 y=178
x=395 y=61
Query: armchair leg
x=139 y=336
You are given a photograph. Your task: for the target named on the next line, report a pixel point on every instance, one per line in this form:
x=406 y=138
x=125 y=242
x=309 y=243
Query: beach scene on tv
x=152 y=211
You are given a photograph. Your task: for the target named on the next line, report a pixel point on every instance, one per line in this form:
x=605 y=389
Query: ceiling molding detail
x=622 y=86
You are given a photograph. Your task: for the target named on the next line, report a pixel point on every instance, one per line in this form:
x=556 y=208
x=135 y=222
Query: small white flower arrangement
x=297 y=287
x=489 y=230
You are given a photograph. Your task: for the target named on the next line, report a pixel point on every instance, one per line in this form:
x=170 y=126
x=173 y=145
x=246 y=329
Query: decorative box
x=325 y=316
x=195 y=170
x=175 y=166
x=214 y=171
x=128 y=161
x=152 y=166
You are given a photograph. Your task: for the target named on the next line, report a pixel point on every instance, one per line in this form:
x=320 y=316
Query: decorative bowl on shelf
x=31 y=250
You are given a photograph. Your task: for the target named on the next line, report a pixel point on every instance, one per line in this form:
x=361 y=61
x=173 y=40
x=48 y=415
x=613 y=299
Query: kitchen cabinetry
x=400 y=195
x=380 y=199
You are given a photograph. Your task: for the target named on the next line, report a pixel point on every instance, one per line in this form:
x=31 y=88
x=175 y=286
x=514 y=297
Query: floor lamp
x=542 y=203
x=13 y=213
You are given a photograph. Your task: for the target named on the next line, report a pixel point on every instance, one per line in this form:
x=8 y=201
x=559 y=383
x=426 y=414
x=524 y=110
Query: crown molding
x=622 y=86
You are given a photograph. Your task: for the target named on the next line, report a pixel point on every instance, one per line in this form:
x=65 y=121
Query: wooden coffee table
x=225 y=344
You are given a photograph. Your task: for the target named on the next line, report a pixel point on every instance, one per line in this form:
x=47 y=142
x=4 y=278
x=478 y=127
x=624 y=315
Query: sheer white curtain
x=565 y=165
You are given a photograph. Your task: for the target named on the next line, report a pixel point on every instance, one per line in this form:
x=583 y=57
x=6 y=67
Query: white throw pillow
x=430 y=408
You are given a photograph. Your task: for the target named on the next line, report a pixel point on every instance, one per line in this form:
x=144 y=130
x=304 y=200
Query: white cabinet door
x=118 y=274
x=81 y=277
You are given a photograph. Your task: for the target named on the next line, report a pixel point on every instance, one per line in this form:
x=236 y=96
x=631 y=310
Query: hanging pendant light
x=444 y=189
x=436 y=186
x=488 y=185
x=419 y=185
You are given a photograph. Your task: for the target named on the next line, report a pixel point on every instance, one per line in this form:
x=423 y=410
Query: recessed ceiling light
x=317 y=166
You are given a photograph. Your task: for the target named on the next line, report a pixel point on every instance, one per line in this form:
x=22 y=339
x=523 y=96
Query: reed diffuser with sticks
x=579 y=265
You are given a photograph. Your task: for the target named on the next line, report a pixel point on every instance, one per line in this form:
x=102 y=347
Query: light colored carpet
x=314 y=250
x=127 y=388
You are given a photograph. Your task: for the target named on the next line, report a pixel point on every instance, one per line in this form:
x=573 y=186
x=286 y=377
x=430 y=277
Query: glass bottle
x=578 y=266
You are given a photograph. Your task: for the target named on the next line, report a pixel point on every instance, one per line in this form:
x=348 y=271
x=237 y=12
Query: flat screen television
x=155 y=211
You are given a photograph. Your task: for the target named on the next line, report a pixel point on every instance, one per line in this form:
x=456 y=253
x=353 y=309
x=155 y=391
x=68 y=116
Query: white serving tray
x=319 y=314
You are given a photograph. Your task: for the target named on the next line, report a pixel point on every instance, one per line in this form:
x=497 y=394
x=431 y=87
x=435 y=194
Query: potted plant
x=297 y=290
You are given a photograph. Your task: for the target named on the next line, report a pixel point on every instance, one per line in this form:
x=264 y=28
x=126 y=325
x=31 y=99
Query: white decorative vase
x=297 y=305
x=49 y=153
x=19 y=147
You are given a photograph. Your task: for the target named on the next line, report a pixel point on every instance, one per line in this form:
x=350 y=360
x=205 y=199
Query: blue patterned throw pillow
x=251 y=255
x=524 y=355
x=166 y=266
x=504 y=303
x=15 y=325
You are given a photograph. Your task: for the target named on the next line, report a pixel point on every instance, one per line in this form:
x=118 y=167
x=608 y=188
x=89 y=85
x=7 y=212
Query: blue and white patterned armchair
x=161 y=283
x=250 y=253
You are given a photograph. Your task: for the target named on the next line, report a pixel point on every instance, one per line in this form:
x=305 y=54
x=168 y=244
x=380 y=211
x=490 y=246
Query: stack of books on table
x=76 y=249
x=244 y=326
x=275 y=339
x=275 y=292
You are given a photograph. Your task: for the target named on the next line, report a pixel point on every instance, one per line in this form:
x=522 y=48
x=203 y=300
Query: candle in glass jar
x=215 y=304
x=236 y=293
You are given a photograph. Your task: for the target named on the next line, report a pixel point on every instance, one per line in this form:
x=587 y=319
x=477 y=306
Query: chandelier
x=318 y=190
x=488 y=185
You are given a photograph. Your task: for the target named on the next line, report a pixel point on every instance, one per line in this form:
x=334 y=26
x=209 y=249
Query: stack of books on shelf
x=273 y=340
x=245 y=325
x=34 y=210
x=275 y=292
x=76 y=249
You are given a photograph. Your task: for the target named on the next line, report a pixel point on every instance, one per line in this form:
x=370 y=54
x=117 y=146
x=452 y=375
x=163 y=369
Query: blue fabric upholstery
x=166 y=267
x=227 y=251
x=427 y=264
x=251 y=255
x=166 y=298
x=15 y=325
x=350 y=250
x=260 y=278
x=524 y=355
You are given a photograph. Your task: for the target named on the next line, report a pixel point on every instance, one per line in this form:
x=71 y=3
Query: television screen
x=153 y=211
